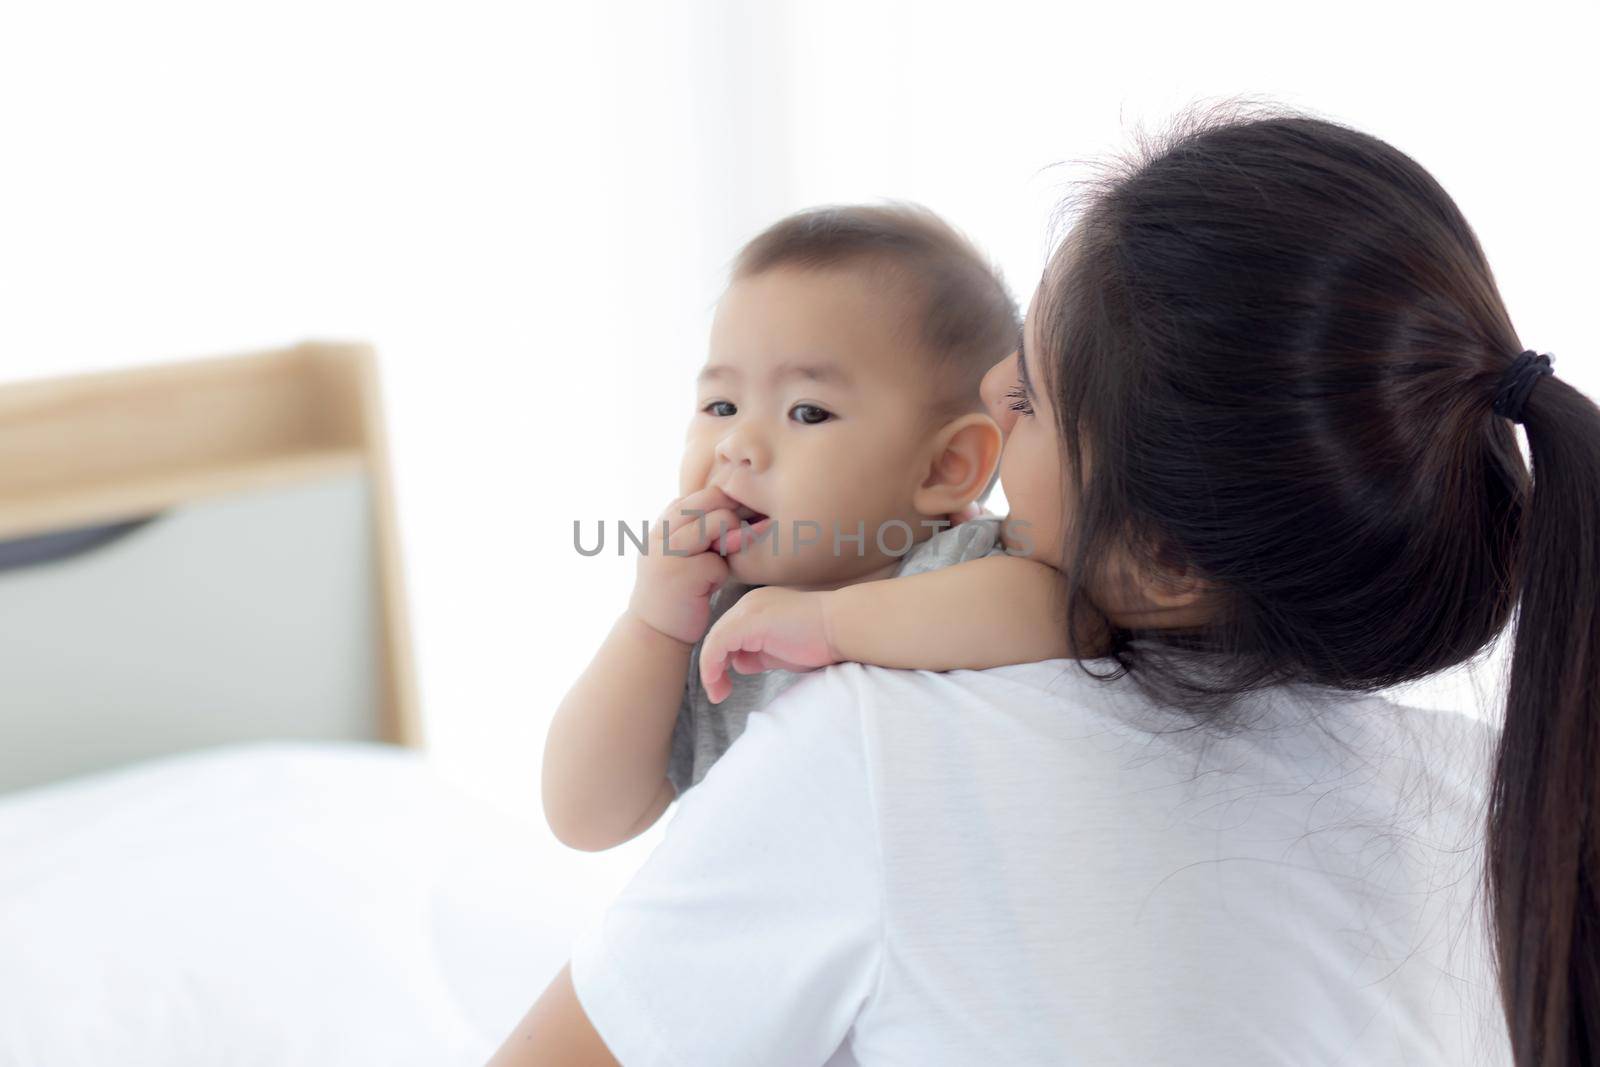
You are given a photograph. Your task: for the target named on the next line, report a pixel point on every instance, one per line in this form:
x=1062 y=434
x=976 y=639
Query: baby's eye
x=710 y=408
x=815 y=411
x=1021 y=403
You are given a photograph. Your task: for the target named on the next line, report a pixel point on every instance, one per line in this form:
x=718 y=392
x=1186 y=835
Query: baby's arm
x=605 y=758
x=985 y=612
x=604 y=779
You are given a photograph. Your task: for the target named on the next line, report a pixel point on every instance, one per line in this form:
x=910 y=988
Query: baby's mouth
x=751 y=520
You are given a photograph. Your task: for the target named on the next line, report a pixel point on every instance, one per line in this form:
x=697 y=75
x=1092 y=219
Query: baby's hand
x=672 y=591
x=769 y=628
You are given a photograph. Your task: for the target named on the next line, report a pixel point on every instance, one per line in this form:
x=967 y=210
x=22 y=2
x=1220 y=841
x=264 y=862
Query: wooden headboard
x=198 y=553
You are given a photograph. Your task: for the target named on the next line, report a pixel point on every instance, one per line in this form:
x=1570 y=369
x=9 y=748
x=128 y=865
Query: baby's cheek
x=693 y=470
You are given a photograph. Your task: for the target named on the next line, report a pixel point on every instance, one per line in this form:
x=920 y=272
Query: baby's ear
x=962 y=456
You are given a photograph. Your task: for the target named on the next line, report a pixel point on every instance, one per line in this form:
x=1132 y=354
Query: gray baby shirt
x=704 y=730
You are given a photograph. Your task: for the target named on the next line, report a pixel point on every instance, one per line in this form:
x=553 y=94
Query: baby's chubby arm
x=604 y=778
x=985 y=612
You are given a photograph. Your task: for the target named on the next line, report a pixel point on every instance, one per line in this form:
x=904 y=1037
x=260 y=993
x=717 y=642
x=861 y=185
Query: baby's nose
x=742 y=447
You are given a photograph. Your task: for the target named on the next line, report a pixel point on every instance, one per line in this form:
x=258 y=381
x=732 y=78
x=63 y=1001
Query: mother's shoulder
x=847 y=689
x=1059 y=678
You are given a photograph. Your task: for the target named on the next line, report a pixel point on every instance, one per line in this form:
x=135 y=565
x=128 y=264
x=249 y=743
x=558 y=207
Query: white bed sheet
x=275 y=904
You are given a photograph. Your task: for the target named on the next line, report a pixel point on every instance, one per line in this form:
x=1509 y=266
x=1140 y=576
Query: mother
x=1267 y=384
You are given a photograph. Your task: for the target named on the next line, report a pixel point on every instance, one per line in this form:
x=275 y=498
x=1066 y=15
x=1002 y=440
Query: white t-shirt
x=1025 y=865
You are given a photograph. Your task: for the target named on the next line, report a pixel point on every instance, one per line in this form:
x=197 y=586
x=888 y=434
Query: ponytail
x=1543 y=850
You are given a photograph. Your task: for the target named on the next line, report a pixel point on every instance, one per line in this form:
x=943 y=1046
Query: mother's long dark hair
x=1278 y=341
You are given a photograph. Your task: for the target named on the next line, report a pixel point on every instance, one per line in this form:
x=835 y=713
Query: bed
x=275 y=903
x=221 y=840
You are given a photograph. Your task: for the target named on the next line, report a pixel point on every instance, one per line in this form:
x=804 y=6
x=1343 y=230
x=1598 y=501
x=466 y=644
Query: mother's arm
x=556 y=1032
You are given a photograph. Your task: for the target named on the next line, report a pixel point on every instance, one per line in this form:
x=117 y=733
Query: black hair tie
x=1518 y=381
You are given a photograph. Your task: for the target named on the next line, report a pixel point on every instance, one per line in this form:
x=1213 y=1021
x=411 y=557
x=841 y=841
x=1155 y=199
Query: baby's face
x=812 y=406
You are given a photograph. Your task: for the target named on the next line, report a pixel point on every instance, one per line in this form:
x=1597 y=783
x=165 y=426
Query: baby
x=839 y=442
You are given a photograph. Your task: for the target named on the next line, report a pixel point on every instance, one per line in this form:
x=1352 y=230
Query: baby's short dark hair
x=968 y=320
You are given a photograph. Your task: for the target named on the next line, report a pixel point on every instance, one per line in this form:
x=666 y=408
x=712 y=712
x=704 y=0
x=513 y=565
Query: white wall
x=528 y=208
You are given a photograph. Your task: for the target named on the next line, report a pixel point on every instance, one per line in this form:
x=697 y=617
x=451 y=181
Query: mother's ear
x=1163 y=594
x=960 y=460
